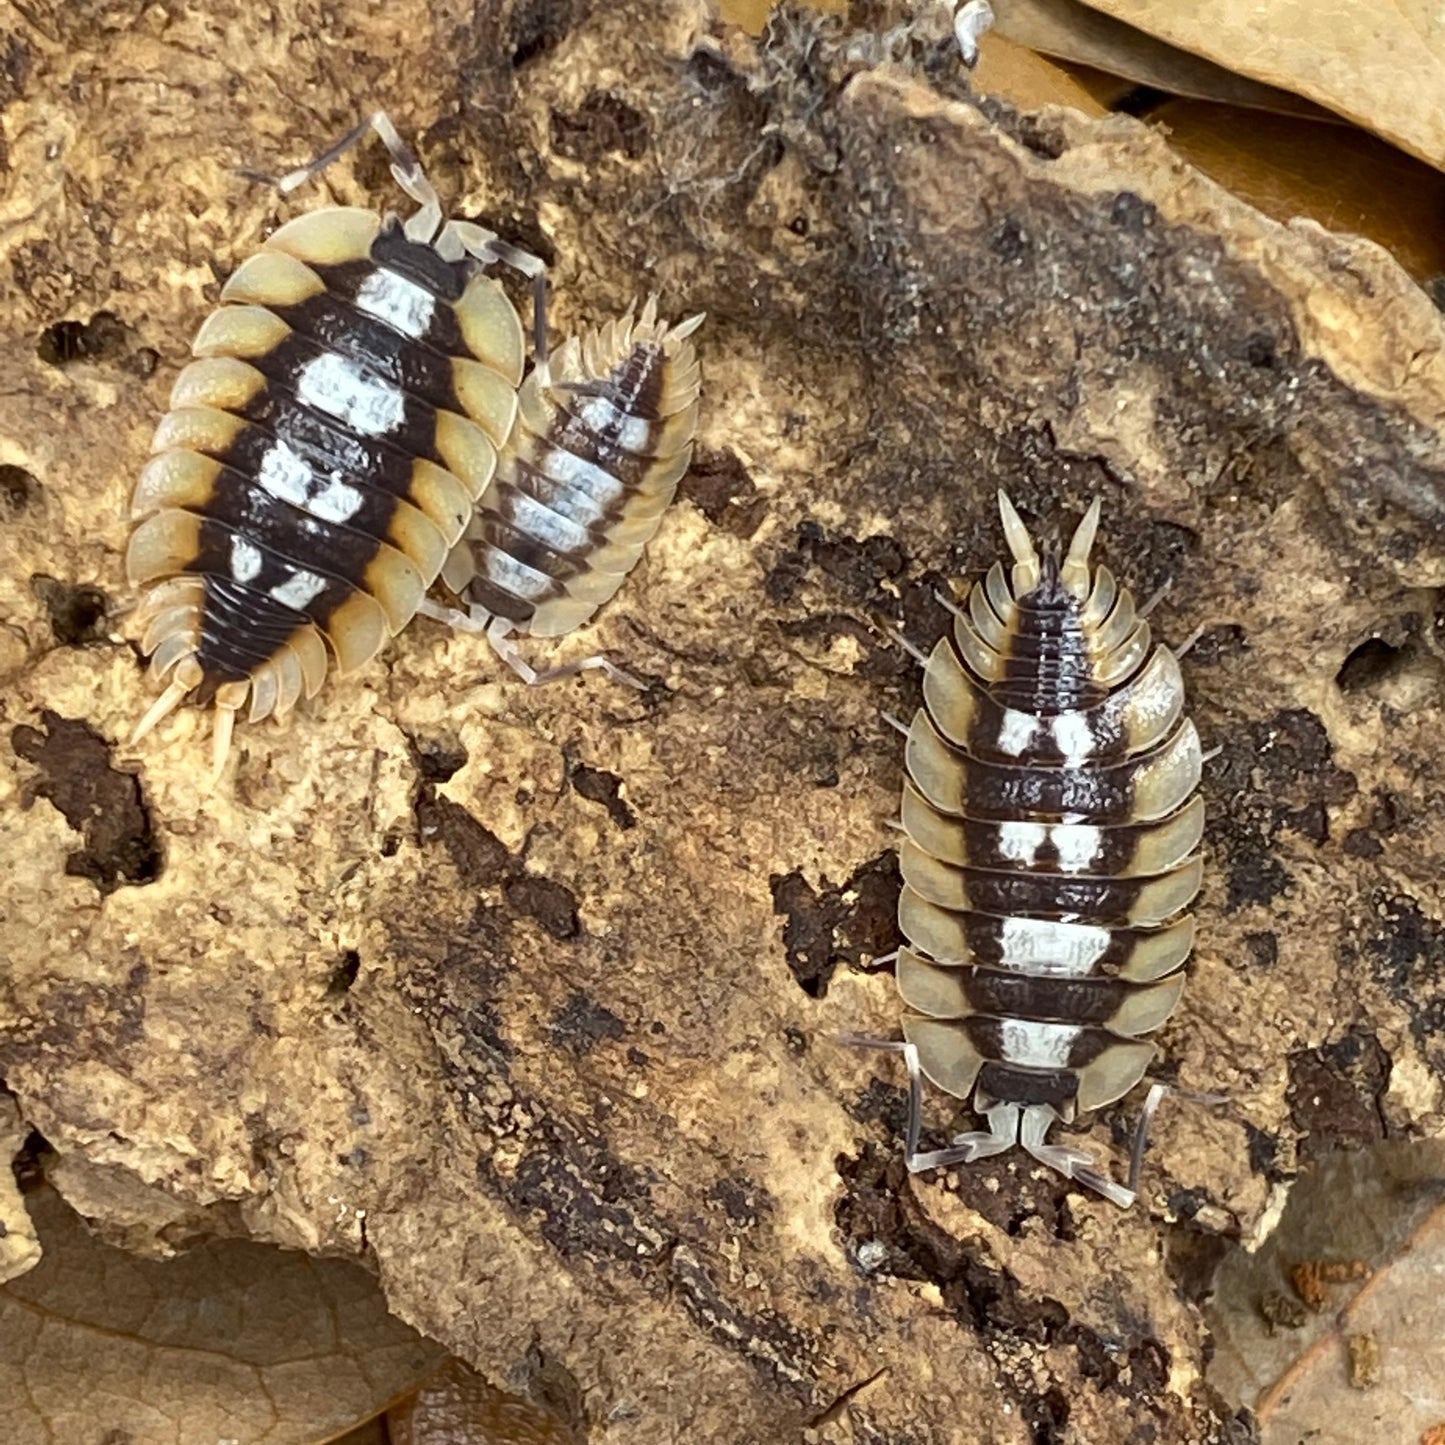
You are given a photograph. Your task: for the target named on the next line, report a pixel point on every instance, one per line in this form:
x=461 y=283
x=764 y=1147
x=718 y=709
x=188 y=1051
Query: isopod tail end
x=229 y=700
x=1026 y=570
x=186 y=679
x=1075 y=572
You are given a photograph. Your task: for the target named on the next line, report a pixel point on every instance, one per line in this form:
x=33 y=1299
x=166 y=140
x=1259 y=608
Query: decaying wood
x=530 y=998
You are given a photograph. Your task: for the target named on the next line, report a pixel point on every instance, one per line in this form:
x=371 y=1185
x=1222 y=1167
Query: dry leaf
x=1382 y=66
x=458 y=1407
x=1070 y=30
x=235 y=1341
x=1027 y=80
x=1371 y=1366
x=752 y=15
x=1343 y=178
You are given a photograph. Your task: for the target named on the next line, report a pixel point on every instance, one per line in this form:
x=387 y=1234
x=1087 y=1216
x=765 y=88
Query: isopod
x=604 y=435
x=1050 y=854
x=324 y=451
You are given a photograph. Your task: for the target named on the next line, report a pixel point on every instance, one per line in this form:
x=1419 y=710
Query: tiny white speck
x=299 y=590
x=337 y=387
x=245 y=559
x=401 y=304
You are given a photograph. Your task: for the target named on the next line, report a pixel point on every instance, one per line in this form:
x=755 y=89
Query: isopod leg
x=487 y=246
x=506 y=649
x=1152 y=1100
x=1072 y=1163
x=1003 y=1121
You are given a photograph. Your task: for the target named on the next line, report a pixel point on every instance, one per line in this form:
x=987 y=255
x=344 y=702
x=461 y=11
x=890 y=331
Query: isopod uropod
x=1051 y=834
x=325 y=450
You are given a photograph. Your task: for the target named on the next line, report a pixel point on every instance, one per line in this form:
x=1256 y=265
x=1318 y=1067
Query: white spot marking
x=336 y=386
x=1020 y=842
x=1015 y=731
x=631 y=433
x=299 y=590
x=1037 y=1045
x=549 y=527
x=1051 y=949
x=582 y=476
x=513 y=576
x=1074 y=737
x=245 y=559
x=287 y=476
x=401 y=304
x=1078 y=845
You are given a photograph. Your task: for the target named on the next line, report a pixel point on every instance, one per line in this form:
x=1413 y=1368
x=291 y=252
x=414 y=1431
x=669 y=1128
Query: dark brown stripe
x=1011 y=1084
x=241 y=629
x=1114 y=854
x=995 y=791
x=297 y=541
x=1059 y=1000
x=1101 y=902
x=214 y=559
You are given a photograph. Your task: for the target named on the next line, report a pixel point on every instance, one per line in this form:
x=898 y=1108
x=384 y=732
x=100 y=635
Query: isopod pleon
x=1051 y=835
x=603 y=436
x=324 y=452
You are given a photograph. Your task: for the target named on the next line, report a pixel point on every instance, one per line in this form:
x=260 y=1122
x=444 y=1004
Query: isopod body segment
x=1050 y=855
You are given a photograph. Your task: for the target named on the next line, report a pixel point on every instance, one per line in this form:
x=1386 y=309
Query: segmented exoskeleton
x=1051 y=834
x=603 y=437
x=325 y=451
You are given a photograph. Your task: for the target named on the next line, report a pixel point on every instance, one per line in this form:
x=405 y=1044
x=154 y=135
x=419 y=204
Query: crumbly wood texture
x=530 y=998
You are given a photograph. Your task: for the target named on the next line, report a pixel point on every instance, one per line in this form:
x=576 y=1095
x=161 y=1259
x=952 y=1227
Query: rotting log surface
x=529 y=997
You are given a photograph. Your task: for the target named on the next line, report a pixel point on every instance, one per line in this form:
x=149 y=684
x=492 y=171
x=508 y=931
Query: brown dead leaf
x=1026 y=79
x=1347 y=180
x=1381 y=66
x=752 y=15
x=234 y=1341
x=1371 y=1365
x=458 y=1407
x=1070 y=30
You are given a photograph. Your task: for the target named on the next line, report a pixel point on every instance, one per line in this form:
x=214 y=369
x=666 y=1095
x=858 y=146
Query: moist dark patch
x=77 y=613
x=551 y=904
x=597 y=786
x=826 y=928
x=858 y=569
x=105 y=337
x=604 y=124
x=438 y=759
x=105 y=806
x=744 y=1202
x=479 y=855
x=1274 y=775
x=19 y=489
x=722 y=489
x=1335 y=1094
x=583 y=1023
x=344 y=974
x=538 y=26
